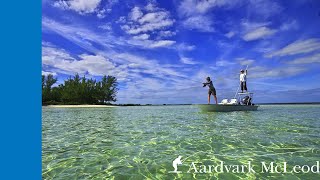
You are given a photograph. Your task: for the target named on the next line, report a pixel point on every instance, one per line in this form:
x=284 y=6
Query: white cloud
x=143 y=22
x=249 y=25
x=50 y=53
x=58 y=60
x=151 y=7
x=83 y=37
x=46 y=73
x=244 y=61
x=187 y=60
x=142 y=37
x=263 y=8
x=185 y=47
x=94 y=65
x=84 y=7
x=162 y=43
x=278 y=72
x=192 y=7
x=135 y=14
x=139 y=41
x=147 y=27
x=166 y=33
x=306 y=60
x=261 y=32
x=107 y=27
x=121 y=20
x=102 y=13
x=196 y=15
x=297 y=47
x=81 y=6
x=224 y=63
x=149 y=22
x=230 y=34
x=200 y=23
x=290 y=25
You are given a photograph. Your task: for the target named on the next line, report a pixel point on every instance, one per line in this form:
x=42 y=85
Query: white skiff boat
x=242 y=103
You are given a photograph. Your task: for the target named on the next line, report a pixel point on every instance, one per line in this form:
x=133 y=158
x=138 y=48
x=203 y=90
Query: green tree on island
x=77 y=90
x=47 y=82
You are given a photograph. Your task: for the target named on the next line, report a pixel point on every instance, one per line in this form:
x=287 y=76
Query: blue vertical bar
x=20 y=90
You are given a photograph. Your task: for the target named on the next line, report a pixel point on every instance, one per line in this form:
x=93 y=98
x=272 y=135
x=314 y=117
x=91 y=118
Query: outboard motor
x=246 y=100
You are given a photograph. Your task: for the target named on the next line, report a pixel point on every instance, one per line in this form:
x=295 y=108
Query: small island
x=79 y=91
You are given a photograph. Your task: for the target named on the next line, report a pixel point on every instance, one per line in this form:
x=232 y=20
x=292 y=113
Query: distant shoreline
x=119 y=105
x=81 y=106
x=292 y=103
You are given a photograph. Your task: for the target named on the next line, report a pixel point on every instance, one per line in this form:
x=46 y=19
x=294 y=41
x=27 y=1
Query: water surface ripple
x=141 y=142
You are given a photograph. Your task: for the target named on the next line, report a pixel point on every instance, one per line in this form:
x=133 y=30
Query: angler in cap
x=243 y=80
x=212 y=90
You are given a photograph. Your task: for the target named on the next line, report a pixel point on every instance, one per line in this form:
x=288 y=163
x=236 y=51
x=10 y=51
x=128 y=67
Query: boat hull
x=226 y=108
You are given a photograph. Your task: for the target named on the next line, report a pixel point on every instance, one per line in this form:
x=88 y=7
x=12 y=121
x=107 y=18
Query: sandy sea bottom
x=141 y=142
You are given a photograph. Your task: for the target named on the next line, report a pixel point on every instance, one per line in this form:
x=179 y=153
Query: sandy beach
x=81 y=106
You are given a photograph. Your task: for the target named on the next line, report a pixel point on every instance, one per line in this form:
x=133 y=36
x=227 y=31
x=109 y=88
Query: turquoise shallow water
x=141 y=142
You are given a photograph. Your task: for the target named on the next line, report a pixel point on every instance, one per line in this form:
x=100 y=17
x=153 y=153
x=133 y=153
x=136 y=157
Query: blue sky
x=161 y=51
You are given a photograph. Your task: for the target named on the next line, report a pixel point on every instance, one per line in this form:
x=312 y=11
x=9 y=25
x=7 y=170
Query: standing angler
x=243 y=80
x=212 y=90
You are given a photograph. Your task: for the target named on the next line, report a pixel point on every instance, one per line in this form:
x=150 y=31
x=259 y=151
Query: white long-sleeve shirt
x=243 y=77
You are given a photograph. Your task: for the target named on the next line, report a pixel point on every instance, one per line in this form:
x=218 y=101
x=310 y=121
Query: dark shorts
x=244 y=86
x=212 y=91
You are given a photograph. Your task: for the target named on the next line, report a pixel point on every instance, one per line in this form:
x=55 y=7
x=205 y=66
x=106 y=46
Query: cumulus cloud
x=92 y=64
x=138 y=22
x=261 y=32
x=81 y=6
x=148 y=26
x=135 y=14
x=297 y=47
x=58 y=60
